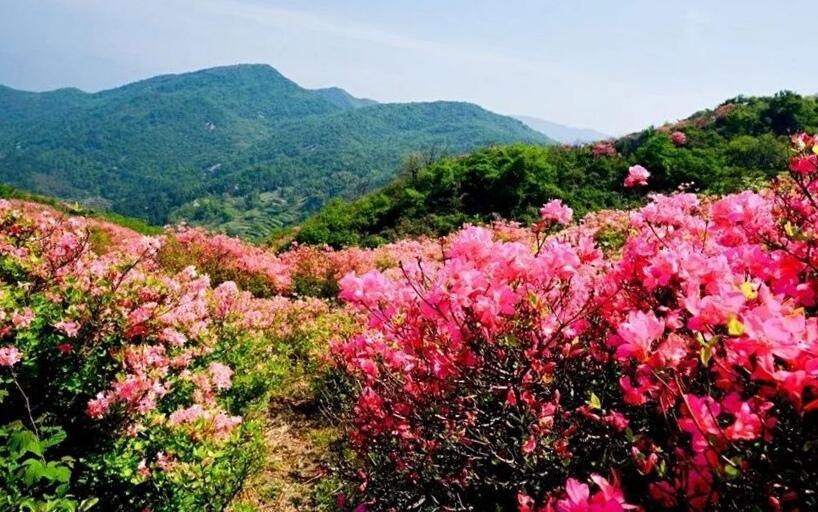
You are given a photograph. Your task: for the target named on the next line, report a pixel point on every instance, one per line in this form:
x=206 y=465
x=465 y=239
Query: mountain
x=740 y=144
x=561 y=133
x=343 y=99
x=239 y=148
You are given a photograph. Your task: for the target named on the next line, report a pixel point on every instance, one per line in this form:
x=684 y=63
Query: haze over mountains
x=562 y=133
x=239 y=148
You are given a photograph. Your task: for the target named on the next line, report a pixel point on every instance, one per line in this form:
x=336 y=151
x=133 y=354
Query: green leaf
x=88 y=504
x=34 y=471
x=595 y=402
x=25 y=441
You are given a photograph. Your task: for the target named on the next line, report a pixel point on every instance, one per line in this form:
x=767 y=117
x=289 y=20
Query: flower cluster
x=678 y=138
x=637 y=176
x=100 y=337
x=685 y=358
x=602 y=149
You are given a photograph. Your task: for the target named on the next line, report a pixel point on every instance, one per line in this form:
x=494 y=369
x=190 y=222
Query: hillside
x=239 y=146
x=738 y=144
x=601 y=365
x=562 y=133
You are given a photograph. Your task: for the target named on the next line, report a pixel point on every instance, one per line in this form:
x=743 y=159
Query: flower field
x=659 y=358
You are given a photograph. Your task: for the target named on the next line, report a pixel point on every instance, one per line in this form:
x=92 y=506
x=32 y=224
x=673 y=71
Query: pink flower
x=98 y=407
x=678 y=138
x=576 y=499
x=172 y=337
x=804 y=165
x=70 y=328
x=9 y=356
x=220 y=375
x=524 y=503
x=637 y=176
x=556 y=211
x=223 y=424
x=601 y=149
x=638 y=332
x=530 y=445
x=165 y=462
x=609 y=497
x=22 y=319
x=142 y=469
x=188 y=415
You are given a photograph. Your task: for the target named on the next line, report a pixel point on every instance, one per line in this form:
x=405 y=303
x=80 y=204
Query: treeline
x=740 y=144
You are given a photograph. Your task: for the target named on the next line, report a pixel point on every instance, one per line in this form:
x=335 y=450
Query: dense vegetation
x=739 y=144
x=138 y=225
x=240 y=147
x=658 y=358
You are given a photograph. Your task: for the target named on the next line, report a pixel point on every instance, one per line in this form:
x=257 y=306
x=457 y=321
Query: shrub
x=124 y=360
x=675 y=370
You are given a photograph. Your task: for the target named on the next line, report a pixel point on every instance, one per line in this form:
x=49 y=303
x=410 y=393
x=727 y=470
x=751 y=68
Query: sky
x=615 y=66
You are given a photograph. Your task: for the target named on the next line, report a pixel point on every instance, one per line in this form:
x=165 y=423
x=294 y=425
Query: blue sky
x=614 y=66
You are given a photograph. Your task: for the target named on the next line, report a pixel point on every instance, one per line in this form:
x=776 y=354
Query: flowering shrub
x=602 y=149
x=637 y=176
x=676 y=368
x=224 y=258
x=134 y=364
x=678 y=138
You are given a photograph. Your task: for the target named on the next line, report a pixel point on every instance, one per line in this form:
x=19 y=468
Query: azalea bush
x=152 y=377
x=666 y=358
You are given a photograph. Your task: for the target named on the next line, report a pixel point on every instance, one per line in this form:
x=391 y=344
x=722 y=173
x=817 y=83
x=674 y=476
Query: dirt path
x=296 y=461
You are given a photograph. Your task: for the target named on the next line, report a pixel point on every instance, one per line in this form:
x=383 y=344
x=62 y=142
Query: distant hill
x=343 y=99
x=561 y=133
x=738 y=145
x=239 y=148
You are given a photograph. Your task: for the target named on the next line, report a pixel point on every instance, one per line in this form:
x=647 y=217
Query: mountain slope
x=343 y=99
x=161 y=148
x=562 y=133
x=741 y=143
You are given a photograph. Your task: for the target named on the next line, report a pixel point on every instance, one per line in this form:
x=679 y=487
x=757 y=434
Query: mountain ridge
x=225 y=137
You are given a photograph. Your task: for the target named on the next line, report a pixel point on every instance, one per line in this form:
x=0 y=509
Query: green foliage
x=740 y=144
x=240 y=148
x=29 y=481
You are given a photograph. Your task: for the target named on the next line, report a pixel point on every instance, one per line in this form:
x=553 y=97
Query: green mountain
x=239 y=148
x=342 y=98
x=739 y=144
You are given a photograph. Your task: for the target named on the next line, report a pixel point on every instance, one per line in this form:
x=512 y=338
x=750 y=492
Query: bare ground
x=296 y=460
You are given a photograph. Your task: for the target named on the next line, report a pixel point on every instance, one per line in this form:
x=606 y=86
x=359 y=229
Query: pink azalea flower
x=638 y=332
x=524 y=503
x=556 y=211
x=678 y=138
x=22 y=319
x=9 y=356
x=220 y=375
x=637 y=176
x=530 y=445
x=804 y=165
x=70 y=328
x=576 y=499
